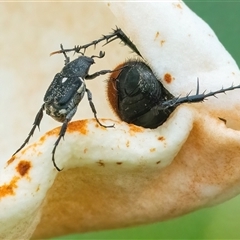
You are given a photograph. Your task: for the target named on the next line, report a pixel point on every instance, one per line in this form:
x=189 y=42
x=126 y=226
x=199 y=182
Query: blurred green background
x=219 y=222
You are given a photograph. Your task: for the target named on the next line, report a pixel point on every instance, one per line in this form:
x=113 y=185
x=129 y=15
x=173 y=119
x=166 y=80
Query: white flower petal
x=126 y=175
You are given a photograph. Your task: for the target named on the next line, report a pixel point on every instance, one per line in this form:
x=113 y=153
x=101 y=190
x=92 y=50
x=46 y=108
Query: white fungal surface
x=125 y=175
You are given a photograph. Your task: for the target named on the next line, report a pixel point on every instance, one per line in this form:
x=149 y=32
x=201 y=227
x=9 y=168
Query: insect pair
x=134 y=92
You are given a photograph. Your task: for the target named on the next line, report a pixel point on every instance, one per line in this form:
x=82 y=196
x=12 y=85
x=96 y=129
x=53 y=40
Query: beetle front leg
x=102 y=72
x=96 y=74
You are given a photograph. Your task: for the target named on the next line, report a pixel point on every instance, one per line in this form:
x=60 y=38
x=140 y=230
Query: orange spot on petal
x=179 y=6
x=161 y=138
x=156 y=35
x=162 y=42
x=152 y=149
x=135 y=129
x=101 y=163
x=23 y=167
x=78 y=126
x=8 y=189
x=168 y=78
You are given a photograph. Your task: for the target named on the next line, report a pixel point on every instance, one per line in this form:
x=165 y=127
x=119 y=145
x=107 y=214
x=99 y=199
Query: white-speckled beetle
x=65 y=93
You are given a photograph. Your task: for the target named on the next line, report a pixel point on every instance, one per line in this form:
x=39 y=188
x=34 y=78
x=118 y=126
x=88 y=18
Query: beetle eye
x=131 y=87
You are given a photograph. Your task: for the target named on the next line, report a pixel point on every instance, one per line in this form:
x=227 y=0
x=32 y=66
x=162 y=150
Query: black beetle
x=138 y=97
x=135 y=93
x=65 y=93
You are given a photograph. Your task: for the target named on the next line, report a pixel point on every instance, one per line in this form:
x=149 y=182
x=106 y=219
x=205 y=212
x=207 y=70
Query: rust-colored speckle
x=119 y=163
x=161 y=138
x=168 y=78
x=76 y=126
x=85 y=150
x=23 y=167
x=38 y=188
x=135 y=129
x=11 y=160
x=79 y=126
x=101 y=163
x=158 y=162
x=156 y=35
x=8 y=189
x=162 y=42
x=179 y=5
x=223 y=119
x=39 y=153
x=152 y=149
x=127 y=143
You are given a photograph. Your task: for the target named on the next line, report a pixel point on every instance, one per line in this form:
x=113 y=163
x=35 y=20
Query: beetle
x=135 y=93
x=65 y=93
x=138 y=97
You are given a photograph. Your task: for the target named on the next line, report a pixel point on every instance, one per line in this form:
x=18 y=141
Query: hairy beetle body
x=64 y=95
x=138 y=97
x=135 y=98
x=67 y=88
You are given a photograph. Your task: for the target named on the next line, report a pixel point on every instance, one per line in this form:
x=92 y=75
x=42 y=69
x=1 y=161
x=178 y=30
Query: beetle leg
x=96 y=74
x=125 y=39
x=89 y=96
x=61 y=134
x=116 y=34
x=36 y=123
x=102 y=72
x=195 y=98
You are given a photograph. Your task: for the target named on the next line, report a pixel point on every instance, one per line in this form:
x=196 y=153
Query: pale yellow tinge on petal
x=127 y=175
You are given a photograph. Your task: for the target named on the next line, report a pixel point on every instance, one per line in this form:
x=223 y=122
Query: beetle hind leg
x=62 y=134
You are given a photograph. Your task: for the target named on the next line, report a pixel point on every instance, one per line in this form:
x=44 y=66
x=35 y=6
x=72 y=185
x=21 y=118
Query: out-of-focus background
x=219 y=222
